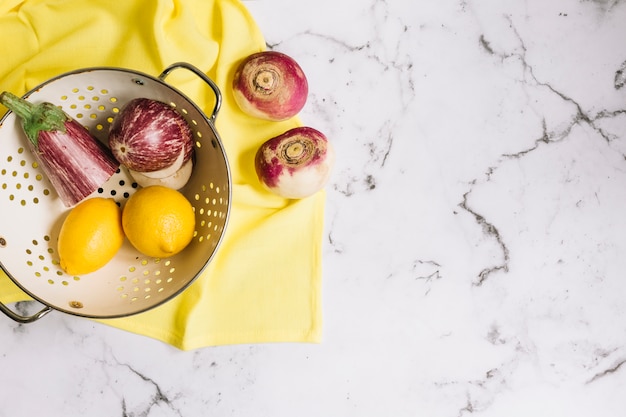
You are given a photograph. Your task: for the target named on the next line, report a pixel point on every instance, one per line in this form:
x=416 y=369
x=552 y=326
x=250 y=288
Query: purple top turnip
x=295 y=164
x=148 y=135
x=75 y=162
x=270 y=85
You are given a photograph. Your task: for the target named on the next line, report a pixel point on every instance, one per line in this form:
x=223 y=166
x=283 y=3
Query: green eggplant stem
x=35 y=117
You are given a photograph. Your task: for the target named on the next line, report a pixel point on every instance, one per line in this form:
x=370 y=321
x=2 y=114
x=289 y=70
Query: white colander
x=32 y=213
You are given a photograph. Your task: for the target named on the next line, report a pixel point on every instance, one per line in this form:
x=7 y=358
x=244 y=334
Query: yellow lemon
x=90 y=236
x=158 y=221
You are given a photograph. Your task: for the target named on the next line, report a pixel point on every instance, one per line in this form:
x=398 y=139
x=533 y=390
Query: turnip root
x=175 y=181
x=270 y=85
x=295 y=164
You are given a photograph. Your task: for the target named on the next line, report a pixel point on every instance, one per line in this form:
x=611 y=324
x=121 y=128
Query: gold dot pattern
x=16 y=178
x=43 y=260
x=141 y=281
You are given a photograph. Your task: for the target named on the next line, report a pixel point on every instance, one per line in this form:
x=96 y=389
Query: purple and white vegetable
x=75 y=162
x=175 y=180
x=148 y=135
x=270 y=85
x=295 y=164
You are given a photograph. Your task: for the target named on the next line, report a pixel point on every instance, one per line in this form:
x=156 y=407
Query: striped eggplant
x=150 y=136
x=75 y=162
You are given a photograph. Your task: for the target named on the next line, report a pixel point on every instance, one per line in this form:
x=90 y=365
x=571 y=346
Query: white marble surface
x=474 y=254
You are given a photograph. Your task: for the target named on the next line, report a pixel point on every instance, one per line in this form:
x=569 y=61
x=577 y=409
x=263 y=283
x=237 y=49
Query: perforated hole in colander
x=22 y=180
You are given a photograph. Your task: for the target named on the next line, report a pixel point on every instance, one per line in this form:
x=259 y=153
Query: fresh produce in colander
x=158 y=221
x=90 y=236
x=295 y=164
x=74 y=161
x=176 y=181
x=153 y=141
x=270 y=85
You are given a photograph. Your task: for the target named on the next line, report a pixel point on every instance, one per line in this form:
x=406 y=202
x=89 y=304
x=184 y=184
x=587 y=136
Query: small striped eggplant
x=75 y=162
x=151 y=137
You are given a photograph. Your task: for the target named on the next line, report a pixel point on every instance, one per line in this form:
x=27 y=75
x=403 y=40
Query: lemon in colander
x=158 y=221
x=90 y=236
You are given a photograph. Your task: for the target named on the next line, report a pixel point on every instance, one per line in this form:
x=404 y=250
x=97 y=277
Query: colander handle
x=204 y=77
x=24 y=319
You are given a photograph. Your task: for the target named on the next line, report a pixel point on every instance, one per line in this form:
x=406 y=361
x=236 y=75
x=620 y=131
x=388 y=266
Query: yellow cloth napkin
x=264 y=284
